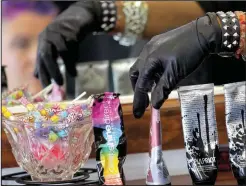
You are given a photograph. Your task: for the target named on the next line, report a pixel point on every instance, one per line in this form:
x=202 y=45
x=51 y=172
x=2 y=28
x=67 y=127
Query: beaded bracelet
x=242 y=21
x=230 y=33
x=109 y=15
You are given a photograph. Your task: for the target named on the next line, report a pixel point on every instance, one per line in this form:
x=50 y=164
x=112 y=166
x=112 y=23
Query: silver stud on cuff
x=105 y=19
x=105 y=12
x=108 y=20
x=230 y=32
x=234 y=42
x=104 y=5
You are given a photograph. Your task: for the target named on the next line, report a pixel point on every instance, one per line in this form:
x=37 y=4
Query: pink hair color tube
x=157 y=172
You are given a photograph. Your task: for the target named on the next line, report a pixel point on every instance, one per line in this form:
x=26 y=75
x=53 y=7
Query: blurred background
x=103 y=63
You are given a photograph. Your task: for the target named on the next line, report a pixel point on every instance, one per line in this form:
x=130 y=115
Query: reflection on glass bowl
x=54 y=152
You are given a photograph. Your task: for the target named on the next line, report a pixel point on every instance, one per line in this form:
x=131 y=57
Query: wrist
x=209 y=33
x=230 y=29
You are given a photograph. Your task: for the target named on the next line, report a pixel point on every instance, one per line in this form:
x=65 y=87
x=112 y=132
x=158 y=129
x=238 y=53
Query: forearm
x=163 y=16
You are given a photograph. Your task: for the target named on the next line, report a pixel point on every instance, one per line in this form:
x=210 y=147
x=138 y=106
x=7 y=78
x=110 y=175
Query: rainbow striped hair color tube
x=110 y=139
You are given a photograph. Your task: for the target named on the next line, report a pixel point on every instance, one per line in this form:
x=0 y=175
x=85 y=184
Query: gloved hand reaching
x=60 y=39
x=170 y=57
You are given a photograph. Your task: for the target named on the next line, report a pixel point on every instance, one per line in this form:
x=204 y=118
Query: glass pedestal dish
x=54 y=152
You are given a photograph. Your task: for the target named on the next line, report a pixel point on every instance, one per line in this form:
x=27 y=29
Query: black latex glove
x=61 y=38
x=170 y=57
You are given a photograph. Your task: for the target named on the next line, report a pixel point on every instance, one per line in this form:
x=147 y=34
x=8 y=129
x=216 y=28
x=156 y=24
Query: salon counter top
x=136 y=165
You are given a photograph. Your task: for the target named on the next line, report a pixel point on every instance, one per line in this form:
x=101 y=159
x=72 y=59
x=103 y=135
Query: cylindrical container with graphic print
x=235 y=106
x=157 y=173
x=200 y=132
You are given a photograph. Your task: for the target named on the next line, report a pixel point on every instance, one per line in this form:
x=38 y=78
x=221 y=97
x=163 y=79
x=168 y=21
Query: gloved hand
x=170 y=57
x=61 y=39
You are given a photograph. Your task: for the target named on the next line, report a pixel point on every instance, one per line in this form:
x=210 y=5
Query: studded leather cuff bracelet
x=230 y=33
x=108 y=15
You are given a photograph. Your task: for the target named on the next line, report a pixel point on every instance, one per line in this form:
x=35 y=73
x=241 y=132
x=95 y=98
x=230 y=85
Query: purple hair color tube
x=200 y=132
x=235 y=106
x=157 y=172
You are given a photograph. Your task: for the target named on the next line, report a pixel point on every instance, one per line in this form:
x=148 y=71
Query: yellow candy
x=19 y=94
x=30 y=106
x=7 y=114
x=4 y=109
x=31 y=119
x=43 y=112
x=63 y=106
x=16 y=130
x=54 y=118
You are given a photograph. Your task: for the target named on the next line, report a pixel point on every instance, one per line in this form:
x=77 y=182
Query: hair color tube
x=200 y=132
x=110 y=139
x=157 y=173
x=235 y=106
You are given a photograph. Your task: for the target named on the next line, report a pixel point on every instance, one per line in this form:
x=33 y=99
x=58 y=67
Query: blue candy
x=63 y=114
x=38 y=124
x=62 y=133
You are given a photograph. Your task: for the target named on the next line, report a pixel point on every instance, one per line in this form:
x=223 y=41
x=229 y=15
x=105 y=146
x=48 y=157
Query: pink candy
x=42 y=153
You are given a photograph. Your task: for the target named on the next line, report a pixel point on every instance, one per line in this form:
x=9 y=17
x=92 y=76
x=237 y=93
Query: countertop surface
x=223 y=178
x=136 y=165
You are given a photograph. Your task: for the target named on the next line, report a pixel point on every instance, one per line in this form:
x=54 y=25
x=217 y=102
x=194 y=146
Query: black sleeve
x=214 y=6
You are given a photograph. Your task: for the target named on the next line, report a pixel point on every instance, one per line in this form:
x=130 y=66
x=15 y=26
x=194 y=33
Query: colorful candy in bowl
x=50 y=149
x=51 y=153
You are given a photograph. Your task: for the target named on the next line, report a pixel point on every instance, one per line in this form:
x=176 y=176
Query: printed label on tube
x=157 y=173
x=200 y=132
x=110 y=139
x=235 y=103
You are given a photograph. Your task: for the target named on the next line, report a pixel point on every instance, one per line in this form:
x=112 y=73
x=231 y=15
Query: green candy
x=53 y=137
